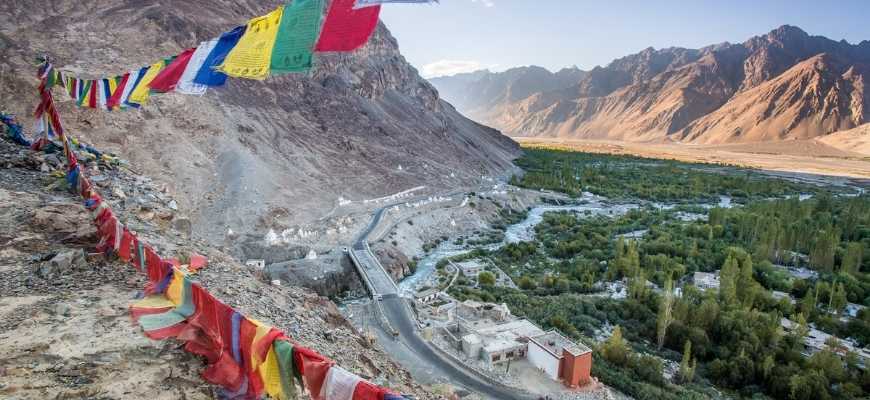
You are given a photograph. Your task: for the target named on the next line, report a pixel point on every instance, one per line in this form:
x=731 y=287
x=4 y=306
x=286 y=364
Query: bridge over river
x=398 y=320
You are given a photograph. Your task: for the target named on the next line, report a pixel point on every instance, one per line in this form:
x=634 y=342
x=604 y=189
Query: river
x=590 y=205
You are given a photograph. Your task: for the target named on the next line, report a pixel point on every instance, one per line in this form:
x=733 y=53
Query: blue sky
x=464 y=35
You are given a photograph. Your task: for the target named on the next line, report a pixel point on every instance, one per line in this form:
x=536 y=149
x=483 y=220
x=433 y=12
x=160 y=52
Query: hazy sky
x=465 y=35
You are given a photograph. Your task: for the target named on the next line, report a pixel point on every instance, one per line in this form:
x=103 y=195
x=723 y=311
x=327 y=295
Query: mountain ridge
x=700 y=95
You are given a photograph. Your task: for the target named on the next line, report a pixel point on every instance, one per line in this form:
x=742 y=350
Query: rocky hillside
x=252 y=155
x=66 y=331
x=780 y=86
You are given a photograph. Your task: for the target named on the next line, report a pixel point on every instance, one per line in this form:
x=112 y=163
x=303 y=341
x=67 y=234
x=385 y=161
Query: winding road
x=399 y=316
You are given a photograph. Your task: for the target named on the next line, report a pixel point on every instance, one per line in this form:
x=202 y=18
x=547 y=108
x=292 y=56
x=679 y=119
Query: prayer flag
x=113 y=87
x=92 y=94
x=297 y=34
x=86 y=90
x=80 y=91
x=166 y=80
x=141 y=92
x=118 y=92
x=71 y=88
x=346 y=28
x=134 y=81
x=369 y=3
x=105 y=93
x=284 y=353
x=339 y=384
x=186 y=84
x=209 y=75
x=252 y=55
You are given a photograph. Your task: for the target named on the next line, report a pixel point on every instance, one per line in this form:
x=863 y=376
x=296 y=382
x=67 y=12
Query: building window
x=496 y=357
x=510 y=354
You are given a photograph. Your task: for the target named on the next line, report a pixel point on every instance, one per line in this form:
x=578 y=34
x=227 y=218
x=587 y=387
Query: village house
x=706 y=281
x=489 y=333
x=470 y=269
x=427 y=296
x=256 y=263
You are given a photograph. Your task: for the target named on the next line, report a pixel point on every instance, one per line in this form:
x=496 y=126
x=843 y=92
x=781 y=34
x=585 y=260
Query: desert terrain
x=801 y=156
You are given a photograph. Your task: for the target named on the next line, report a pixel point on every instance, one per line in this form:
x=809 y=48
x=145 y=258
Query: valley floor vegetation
x=787 y=265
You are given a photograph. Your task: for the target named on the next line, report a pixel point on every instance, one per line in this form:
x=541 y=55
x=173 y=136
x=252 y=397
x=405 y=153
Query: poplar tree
x=614 y=349
x=665 y=317
x=688 y=364
x=808 y=303
x=728 y=280
x=851 y=263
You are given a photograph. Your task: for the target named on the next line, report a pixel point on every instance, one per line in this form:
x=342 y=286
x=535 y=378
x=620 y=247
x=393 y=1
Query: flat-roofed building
x=470 y=268
x=706 y=280
x=561 y=359
x=427 y=296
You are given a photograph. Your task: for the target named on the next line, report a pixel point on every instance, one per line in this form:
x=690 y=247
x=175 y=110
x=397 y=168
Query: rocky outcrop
x=330 y=275
x=394 y=261
x=780 y=86
x=251 y=155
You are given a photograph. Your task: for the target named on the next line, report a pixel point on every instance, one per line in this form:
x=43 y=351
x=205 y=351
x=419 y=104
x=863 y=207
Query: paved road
x=399 y=316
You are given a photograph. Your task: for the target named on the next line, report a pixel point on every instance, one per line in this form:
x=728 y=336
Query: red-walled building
x=561 y=359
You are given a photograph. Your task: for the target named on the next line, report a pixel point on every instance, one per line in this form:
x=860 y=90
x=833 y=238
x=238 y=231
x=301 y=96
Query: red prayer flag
x=247 y=331
x=115 y=100
x=168 y=77
x=346 y=29
x=126 y=242
x=368 y=391
x=92 y=99
x=197 y=262
x=313 y=368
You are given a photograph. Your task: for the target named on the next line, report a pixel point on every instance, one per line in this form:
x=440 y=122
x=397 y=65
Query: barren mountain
x=250 y=155
x=483 y=94
x=781 y=86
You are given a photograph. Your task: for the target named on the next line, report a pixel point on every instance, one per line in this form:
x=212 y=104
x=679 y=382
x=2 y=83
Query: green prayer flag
x=85 y=92
x=284 y=351
x=297 y=33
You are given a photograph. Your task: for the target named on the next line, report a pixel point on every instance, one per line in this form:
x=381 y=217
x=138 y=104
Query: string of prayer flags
x=347 y=28
x=252 y=56
x=293 y=51
x=283 y=41
x=369 y=3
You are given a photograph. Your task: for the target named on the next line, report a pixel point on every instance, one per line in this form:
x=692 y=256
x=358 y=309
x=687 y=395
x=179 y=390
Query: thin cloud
x=486 y=3
x=450 y=67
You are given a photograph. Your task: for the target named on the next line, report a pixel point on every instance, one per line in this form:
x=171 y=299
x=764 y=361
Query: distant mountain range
x=780 y=86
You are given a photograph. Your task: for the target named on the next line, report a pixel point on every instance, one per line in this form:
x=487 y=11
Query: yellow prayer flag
x=113 y=85
x=252 y=55
x=174 y=291
x=141 y=92
x=154 y=301
x=262 y=330
x=270 y=372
